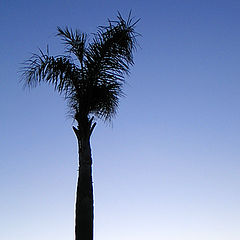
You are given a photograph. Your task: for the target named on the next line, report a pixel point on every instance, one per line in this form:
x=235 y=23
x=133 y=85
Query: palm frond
x=58 y=71
x=75 y=41
x=108 y=59
x=110 y=54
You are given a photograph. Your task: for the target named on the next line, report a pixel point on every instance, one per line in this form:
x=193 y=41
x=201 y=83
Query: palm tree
x=90 y=77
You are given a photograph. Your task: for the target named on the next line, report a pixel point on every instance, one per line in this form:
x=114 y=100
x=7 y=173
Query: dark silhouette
x=92 y=87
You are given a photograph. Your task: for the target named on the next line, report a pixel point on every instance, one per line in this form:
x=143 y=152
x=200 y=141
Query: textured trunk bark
x=84 y=194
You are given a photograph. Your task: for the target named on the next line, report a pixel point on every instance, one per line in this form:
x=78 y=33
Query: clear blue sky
x=168 y=167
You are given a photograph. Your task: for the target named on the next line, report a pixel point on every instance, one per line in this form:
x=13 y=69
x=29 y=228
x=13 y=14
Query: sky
x=168 y=166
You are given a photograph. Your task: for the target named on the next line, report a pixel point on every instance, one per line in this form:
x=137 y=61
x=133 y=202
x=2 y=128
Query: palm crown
x=93 y=84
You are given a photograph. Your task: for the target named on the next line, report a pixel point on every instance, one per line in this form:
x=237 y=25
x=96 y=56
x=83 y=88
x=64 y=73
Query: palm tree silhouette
x=90 y=77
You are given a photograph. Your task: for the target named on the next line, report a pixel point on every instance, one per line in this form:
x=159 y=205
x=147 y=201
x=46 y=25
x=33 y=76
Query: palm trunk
x=84 y=198
x=84 y=195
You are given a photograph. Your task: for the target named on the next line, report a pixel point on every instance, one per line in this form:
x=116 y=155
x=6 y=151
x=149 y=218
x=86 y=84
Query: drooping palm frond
x=58 y=71
x=99 y=100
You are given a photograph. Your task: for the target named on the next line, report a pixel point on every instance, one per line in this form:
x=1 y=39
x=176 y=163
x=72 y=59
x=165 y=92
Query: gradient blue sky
x=168 y=167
